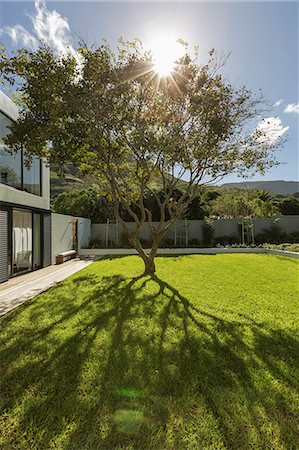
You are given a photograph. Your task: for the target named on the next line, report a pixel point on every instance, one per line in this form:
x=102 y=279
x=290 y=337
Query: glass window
x=4 y=122
x=10 y=168
x=11 y=165
x=31 y=177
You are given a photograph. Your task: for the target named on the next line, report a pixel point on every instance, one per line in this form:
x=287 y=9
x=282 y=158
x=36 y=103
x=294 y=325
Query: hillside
x=68 y=182
x=278 y=187
x=72 y=181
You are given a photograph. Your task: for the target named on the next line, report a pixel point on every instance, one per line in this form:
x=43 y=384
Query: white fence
x=187 y=230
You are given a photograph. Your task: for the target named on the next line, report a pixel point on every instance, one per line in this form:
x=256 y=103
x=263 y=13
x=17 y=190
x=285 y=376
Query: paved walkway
x=20 y=289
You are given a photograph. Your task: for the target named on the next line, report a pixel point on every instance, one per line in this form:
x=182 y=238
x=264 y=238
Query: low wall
x=99 y=252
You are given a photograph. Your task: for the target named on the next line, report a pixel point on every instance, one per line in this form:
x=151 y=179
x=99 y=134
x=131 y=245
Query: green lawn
x=203 y=356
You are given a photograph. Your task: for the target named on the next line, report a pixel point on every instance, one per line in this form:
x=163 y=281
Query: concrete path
x=20 y=289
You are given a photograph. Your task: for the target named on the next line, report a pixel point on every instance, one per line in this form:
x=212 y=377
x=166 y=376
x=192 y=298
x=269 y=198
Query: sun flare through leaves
x=166 y=51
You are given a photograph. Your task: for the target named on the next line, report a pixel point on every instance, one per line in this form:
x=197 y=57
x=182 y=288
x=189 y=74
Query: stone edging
x=85 y=252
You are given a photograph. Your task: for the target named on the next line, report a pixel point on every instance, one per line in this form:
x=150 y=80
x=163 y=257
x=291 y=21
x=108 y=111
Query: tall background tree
x=122 y=124
x=244 y=205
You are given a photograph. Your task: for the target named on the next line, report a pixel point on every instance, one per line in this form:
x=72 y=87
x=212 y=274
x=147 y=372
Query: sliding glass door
x=22 y=241
x=25 y=241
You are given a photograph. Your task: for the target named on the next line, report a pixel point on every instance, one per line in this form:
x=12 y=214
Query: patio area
x=22 y=288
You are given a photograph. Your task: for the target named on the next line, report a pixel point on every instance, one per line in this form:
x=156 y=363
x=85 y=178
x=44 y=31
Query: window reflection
x=11 y=165
x=31 y=177
x=4 y=123
x=10 y=168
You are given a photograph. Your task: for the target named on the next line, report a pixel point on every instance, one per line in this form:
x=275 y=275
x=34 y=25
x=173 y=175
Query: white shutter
x=47 y=239
x=3 y=246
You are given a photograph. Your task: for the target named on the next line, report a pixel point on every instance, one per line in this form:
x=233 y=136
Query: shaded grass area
x=204 y=355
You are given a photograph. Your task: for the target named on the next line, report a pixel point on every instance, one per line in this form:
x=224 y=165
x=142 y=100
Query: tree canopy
x=245 y=204
x=121 y=125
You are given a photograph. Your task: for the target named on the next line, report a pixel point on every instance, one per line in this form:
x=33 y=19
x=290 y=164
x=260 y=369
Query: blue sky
x=261 y=36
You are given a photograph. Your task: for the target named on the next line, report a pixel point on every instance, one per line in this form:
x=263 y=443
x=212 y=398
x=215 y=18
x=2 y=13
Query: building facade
x=25 y=219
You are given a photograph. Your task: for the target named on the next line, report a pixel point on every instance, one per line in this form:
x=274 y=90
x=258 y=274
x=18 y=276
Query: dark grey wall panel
x=47 y=239
x=3 y=246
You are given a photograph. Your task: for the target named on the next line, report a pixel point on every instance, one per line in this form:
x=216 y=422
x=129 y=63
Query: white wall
x=62 y=234
x=288 y=224
x=84 y=232
x=226 y=227
x=222 y=227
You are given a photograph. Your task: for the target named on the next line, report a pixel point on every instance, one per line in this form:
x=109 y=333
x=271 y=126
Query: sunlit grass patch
x=202 y=355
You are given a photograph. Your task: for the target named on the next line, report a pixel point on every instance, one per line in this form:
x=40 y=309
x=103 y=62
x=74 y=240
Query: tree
x=288 y=205
x=121 y=124
x=244 y=205
x=76 y=203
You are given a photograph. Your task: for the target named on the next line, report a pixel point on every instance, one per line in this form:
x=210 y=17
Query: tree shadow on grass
x=132 y=363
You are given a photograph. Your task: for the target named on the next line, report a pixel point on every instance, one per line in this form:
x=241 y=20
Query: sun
x=166 y=50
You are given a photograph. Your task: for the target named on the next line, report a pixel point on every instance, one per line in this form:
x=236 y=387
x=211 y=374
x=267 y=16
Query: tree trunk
x=150 y=267
x=148 y=259
x=149 y=264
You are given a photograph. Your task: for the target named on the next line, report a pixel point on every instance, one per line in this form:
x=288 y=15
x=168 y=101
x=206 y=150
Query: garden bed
x=97 y=252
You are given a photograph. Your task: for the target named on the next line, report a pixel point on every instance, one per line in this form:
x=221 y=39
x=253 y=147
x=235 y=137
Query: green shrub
x=124 y=241
x=194 y=242
x=227 y=240
x=167 y=243
x=285 y=246
x=293 y=237
x=96 y=243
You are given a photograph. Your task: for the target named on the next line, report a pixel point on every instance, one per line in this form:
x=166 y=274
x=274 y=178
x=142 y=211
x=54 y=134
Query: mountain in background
x=278 y=187
x=71 y=180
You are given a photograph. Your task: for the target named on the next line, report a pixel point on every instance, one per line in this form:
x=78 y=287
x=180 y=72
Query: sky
x=261 y=37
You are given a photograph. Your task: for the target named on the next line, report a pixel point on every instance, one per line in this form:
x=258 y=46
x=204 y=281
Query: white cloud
x=51 y=28
x=270 y=130
x=278 y=103
x=48 y=26
x=292 y=108
x=20 y=36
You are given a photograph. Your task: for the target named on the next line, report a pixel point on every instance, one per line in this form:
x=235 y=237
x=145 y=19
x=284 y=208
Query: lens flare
x=166 y=51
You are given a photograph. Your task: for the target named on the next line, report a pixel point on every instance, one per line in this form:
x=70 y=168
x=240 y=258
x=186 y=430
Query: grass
x=202 y=356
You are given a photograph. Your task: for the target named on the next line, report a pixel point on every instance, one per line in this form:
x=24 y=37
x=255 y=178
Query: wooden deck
x=18 y=290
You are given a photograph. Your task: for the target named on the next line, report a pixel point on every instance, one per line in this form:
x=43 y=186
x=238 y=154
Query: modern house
x=25 y=219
